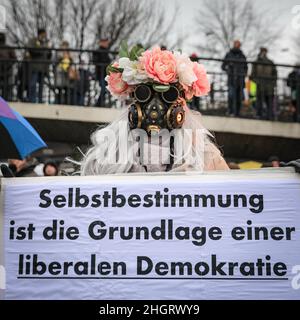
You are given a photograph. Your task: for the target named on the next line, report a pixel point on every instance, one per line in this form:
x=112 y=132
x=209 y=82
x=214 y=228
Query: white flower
x=133 y=73
x=185 y=71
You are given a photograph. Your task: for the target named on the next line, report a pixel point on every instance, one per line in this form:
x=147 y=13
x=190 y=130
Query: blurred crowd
x=30 y=167
x=70 y=81
x=259 y=85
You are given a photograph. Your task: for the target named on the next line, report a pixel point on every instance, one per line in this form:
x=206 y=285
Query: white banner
x=226 y=236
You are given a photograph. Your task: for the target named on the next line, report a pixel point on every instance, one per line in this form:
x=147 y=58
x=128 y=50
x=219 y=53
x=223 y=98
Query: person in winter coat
x=7 y=61
x=39 y=59
x=66 y=77
x=235 y=65
x=264 y=74
x=293 y=82
x=101 y=59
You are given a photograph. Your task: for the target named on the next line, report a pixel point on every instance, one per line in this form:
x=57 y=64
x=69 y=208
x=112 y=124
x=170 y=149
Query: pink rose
x=160 y=65
x=185 y=70
x=116 y=85
x=201 y=86
x=189 y=92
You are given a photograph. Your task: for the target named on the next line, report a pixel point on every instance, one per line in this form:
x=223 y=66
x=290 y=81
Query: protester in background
x=273 y=162
x=83 y=84
x=23 y=79
x=101 y=59
x=293 y=82
x=251 y=93
x=233 y=166
x=264 y=74
x=66 y=77
x=23 y=168
x=235 y=64
x=7 y=60
x=50 y=169
x=39 y=64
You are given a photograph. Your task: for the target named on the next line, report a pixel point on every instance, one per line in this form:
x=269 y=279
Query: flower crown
x=157 y=67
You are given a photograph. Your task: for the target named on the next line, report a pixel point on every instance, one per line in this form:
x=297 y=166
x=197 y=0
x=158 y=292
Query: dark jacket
x=235 y=64
x=293 y=80
x=41 y=58
x=27 y=171
x=264 y=74
x=101 y=59
x=6 y=66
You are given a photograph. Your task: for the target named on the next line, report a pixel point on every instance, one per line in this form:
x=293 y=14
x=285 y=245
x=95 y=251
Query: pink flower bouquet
x=161 y=68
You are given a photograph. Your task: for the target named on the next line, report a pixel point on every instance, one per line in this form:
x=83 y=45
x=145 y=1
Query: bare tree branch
x=27 y=16
x=222 y=22
x=137 y=21
x=82 y=22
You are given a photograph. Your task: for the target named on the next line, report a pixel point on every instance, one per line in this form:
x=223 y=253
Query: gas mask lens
x=171 y=95
x=142 y=93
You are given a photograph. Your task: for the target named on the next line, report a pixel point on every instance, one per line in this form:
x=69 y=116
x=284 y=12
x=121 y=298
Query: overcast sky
x=281 y=10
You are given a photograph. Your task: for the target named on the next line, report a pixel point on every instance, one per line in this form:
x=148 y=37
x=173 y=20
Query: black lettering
x=159 y=233
x=54 y=268
x=118 y=200
x=181 y=267
x=134 y=201
x=72 y=233
x=82 y=201
x=59 y=201
x=238 y=233
x=205 y=199
x=184 y=200
x=257 y=203
x=217 y=267
x=215 y=233
x=161 y=268
x=202 y=265
x=247 y=269
x=43 y=197
x=280 y=269
x=95 y=231
x=148 y=202
x=38 y=267
x=149 y=265
x=96 y=202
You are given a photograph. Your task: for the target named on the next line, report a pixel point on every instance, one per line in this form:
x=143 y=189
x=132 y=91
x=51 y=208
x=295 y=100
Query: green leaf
x=124 y=51
x=136 y=52
x=161 y=87
x=111 y=69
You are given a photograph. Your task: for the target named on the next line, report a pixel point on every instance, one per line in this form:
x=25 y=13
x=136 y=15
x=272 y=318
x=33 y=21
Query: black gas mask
x=154 y=110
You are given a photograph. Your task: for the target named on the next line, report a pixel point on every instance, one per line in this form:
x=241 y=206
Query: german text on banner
x=226 y=236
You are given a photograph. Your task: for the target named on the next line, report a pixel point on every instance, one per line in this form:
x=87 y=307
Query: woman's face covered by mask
x=154 y=110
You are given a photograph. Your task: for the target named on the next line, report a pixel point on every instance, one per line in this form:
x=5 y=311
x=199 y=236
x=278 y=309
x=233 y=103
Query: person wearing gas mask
x=157 y=132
